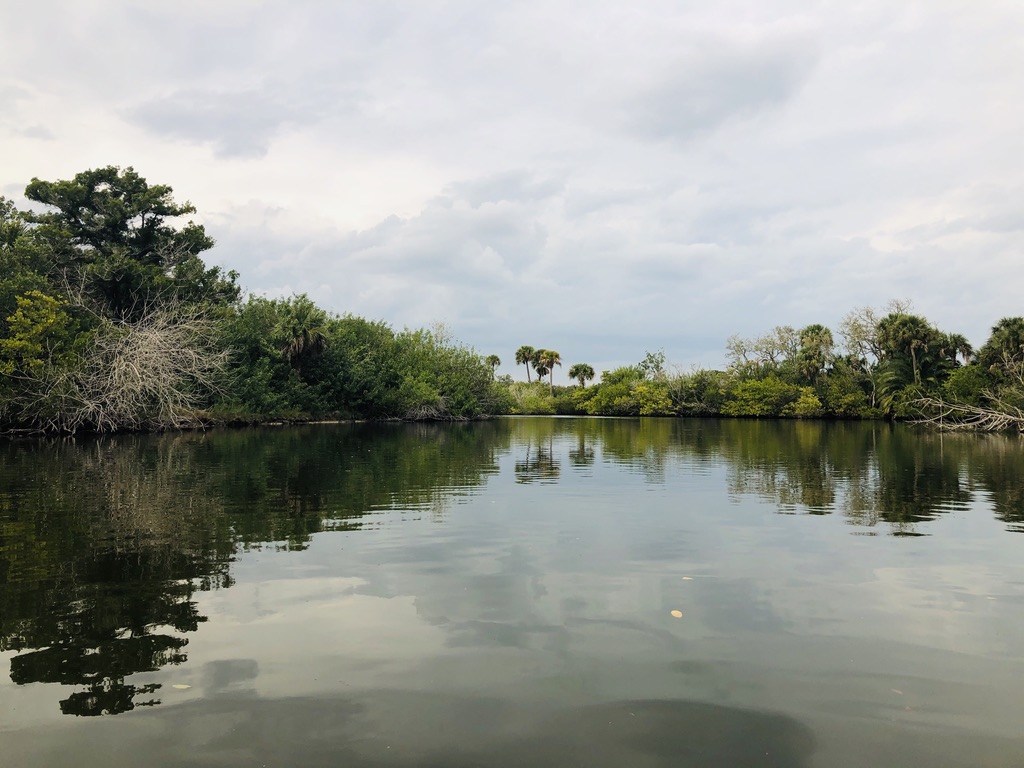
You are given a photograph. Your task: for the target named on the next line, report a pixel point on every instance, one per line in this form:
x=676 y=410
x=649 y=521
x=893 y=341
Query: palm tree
x=815 y=352
x=900 y=335
x=549 y=359
x=538 y=364
x=303 y=326
x=494 y=361
x=524 y=356
x=1005 y=347
x=582 y=373
x=953 y=344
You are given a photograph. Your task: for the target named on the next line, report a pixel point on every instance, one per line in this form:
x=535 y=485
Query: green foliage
x=844 y=398
x=107 y=210
x=39 y=333
x=530 y=398
x=699 y=393
x=967 y=385
x=807 y=405
x=1004 y=349
x=771 y=397
x=110 y=241
x=652 y=398
x=628 y=391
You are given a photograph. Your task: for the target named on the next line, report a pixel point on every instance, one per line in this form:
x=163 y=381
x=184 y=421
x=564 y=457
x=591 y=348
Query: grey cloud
x=516 y=186
x=712 y=86
x=37 y=132
x=454 y=242
x=240 y=123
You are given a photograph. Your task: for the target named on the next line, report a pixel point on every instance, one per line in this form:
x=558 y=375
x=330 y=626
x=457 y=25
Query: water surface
x=502 y=593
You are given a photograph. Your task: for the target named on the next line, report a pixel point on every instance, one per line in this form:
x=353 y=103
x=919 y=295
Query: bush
x=967 y=385
x=770 y=397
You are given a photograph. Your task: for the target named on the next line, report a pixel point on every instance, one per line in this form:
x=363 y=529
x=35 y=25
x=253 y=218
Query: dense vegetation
x=110 y=320
x=894 y=364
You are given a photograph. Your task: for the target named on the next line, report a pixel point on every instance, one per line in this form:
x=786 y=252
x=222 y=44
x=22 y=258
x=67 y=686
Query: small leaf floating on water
x=677 y=614
x=181 y=686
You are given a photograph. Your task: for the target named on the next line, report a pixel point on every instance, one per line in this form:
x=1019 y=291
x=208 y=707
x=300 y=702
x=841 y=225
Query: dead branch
x=999 y=417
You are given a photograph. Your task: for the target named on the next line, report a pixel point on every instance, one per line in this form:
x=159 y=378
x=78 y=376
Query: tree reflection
x=872 y=473
x=104 y=542
x=583 y=454
x=536 y=460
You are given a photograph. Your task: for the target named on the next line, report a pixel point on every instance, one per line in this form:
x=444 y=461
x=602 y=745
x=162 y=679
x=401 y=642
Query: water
x=502 y=594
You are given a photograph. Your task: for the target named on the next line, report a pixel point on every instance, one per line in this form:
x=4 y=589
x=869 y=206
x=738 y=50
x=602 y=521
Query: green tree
x=905 y=341
x=302 y=331
x=582 y=372
x=548 y=359
x=525 y=356
x=653 y=365
x=38 y=334
x=1004 y=348
x=107 y=210
x=111 y=244
x=538 y=366
x=952 y=345
x=494 y=361
x=815 y=353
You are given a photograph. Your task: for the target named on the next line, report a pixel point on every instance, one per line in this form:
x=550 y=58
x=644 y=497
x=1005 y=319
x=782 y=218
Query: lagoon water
x=516 y=592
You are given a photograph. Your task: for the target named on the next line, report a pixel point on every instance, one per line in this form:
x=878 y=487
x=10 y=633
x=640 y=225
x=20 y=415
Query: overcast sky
x=600 y=178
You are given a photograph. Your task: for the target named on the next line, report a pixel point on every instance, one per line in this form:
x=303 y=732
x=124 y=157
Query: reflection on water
x=521 y=572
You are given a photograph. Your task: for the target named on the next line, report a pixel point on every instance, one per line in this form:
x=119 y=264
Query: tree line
x=888 y=363
x=110 y=320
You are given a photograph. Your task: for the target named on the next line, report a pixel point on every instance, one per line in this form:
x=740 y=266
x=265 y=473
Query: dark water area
x=522 y=591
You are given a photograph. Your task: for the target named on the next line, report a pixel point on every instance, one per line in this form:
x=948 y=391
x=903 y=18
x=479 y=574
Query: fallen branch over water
x=1000 y=416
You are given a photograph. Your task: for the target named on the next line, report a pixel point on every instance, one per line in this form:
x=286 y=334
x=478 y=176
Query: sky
x=602 y=178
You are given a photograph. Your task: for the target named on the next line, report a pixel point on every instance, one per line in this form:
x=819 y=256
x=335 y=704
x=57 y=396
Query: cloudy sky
x=599 y=178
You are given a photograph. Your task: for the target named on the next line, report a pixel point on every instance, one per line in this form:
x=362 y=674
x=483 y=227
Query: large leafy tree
x=112 y=244
x=107 y=210
x=109 y=314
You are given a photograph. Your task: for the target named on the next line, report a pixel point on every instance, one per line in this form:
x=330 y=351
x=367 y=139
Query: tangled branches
x=999 y=417
x=1003 y=410
x=152 y=373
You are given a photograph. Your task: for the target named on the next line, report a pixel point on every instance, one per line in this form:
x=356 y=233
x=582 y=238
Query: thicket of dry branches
x=153 y=373
x=1002 y=412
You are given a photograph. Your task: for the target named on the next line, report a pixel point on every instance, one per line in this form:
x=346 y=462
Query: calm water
x=502 y=594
